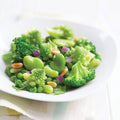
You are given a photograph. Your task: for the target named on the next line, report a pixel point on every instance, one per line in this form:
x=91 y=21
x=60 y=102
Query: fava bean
x=48 y=89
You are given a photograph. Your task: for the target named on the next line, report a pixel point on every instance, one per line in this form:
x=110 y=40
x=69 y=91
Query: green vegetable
x=32 y=62
x=97 y=56
x=52 y=62
x=7 y=70
x=60 y=90
x=15 y=70
x=32 y=84
x=33 y=89
x=79 y=75
x=8 y=57
x=83 y=55
x=18 y=82
x=38 y=76
x=23 y=71
x=69 y=65
x=13 y=47
x=34 y=37
x=62 y=31
x=28 y=87
x=49 y=38
x=23 y=80
x=48 y=89
x=45 y=50
x=22 y=85
x=17 y=88
x=23 y=48
x=93 y=63
x=40 y=90
x=19 y=75
x=58 y=63
x=51 y=73
x=56 y=81
x=48 y=79
x=64 y=42
x=88 y=46
x=52 y=44
x=13 y=78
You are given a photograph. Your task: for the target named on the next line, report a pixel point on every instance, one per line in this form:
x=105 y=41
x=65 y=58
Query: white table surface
x=106 y=102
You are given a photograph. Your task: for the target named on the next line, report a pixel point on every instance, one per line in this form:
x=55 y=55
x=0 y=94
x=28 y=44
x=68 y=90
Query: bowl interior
x=104 y=43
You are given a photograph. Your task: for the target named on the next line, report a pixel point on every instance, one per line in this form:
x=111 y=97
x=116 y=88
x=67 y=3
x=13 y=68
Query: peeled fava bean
x=32 y=62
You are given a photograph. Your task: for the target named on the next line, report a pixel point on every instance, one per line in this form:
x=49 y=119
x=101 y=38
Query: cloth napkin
x=84 y=109
x=47 y=110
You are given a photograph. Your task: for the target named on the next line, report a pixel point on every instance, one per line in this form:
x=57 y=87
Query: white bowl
x=104 y=43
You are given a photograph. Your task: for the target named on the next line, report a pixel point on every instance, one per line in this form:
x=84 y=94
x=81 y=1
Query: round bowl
x=104 y=43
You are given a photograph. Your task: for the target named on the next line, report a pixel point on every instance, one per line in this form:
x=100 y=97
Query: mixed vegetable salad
x=54 y=64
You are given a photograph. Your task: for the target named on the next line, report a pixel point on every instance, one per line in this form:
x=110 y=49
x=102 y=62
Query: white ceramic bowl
x=104 y=43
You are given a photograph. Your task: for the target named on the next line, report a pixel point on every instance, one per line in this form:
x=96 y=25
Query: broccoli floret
x=23 y=48
x=97 y=56
x=87 y=45
x=81 y=54
x=45 y=50
x=93 y=63
x=38 y=76
x=62 y=31
x=34 y=37
x=49 y=38
x=79 y=75
x=81 y=42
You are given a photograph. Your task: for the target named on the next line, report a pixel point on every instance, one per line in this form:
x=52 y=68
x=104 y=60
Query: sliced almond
x=55 y=52
x=64 y=72
x=53 y=84
x=17 y=65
